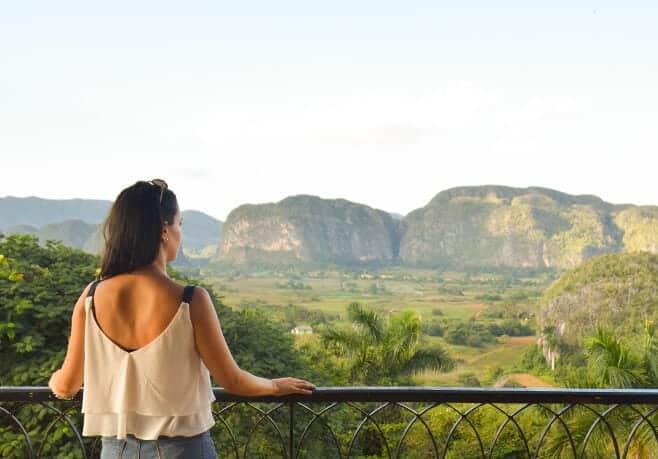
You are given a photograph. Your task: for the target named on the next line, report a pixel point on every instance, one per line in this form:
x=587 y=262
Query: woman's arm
x=214 y=352
x=66 y=381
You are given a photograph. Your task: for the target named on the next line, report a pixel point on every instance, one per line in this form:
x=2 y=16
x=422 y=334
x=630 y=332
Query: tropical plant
x=610 y=363
x=384 y=351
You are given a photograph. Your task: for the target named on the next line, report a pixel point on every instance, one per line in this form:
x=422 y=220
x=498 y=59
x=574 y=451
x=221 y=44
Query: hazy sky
x=380 y=102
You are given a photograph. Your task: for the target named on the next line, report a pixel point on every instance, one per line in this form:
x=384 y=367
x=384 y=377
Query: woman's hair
x=133 y=228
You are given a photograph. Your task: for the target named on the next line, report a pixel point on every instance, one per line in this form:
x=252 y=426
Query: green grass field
x=448 y=297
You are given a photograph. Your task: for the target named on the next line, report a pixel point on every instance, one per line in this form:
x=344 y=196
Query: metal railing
x=388 y=422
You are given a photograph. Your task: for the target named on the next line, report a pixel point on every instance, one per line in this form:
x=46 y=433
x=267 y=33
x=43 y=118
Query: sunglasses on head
x=161 y=184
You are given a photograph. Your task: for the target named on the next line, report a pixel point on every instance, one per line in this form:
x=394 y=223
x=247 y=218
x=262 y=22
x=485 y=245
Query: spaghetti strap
x=188 y=291
x=92 y=290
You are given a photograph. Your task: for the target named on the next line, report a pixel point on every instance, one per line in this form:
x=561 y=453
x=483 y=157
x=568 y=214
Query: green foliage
x=468 y=379
x=611 y=362
x=639 y=226
x=510 y=327
x=589 y=234
x=295 y=315
x=620 y=290
x=384 y=351
x=606 y=359
x=638 y=267
x=533 y=361
x=469 y=333
x=433 y=328
x=259 y=345
x=39 y=286
x=292 y=284
x=321 y=365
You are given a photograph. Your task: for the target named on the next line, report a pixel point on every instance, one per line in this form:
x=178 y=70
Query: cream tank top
x=161 y=389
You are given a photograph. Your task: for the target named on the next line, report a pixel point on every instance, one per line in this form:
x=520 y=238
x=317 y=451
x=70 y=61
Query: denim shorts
x=196 y=447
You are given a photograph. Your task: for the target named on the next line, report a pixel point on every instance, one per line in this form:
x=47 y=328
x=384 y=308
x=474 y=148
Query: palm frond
x=435 y=358
x=402 y=337
x=611 y=361
x=344 y=342
x=366 y=320
x=644 y=442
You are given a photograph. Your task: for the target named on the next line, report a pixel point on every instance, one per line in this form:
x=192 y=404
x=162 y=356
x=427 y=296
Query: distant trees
x=469 y=333
x=292 y=284
x=510 y=327
x=384 y=351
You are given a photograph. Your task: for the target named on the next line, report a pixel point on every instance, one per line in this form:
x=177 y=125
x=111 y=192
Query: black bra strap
x=187 y=294
x=92 y=290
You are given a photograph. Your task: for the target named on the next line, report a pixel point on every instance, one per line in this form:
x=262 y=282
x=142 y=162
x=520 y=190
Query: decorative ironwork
x=387 y=422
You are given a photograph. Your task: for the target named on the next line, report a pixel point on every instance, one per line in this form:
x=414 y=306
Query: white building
x=302 y=330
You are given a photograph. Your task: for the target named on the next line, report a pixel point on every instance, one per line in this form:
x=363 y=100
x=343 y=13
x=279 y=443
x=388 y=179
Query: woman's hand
x=286 y=386
x=56 y=392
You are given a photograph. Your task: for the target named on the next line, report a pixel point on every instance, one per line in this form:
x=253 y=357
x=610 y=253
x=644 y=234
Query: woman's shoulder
x=145 y=283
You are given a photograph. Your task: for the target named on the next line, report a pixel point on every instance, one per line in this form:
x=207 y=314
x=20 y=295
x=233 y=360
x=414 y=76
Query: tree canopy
x=384 y=351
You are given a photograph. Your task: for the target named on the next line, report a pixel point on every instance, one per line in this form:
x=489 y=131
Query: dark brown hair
x=133 y=227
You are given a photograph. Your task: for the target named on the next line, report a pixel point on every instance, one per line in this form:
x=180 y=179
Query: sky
x=385 y=103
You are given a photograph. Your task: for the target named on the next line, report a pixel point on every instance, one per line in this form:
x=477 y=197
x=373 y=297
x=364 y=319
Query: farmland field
x=443 y=299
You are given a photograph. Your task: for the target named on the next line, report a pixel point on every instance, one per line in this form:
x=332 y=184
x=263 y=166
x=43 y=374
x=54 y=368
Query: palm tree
x=611 y=363
x=384 y=351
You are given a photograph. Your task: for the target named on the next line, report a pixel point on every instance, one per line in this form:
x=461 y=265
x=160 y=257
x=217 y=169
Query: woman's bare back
x=134 y=309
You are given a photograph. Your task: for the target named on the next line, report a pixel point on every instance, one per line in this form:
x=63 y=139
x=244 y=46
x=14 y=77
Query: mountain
x=21 y=229
x=496 y=226
x=309 y=229
x=76 y=222
x=39 y=212
x=200 y=230
x=640 y=228
x=617 y=290
x=73 y=233
x=460 y=228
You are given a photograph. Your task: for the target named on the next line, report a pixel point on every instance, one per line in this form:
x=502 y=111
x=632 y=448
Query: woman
x=145 y=346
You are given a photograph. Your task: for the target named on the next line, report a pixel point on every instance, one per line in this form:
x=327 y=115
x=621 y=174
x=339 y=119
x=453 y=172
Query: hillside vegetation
x=619 y=291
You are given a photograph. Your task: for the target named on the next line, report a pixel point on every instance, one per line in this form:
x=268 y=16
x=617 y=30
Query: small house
x=302 y=330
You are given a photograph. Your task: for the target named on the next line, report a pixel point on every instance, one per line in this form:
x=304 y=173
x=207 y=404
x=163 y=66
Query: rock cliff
x=495 y=226
x=309 y=229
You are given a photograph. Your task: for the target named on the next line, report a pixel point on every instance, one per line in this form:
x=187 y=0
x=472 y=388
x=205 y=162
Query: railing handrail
x=403 y=394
